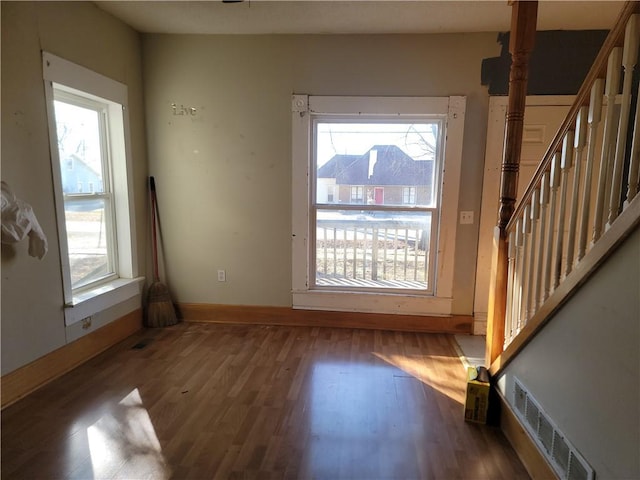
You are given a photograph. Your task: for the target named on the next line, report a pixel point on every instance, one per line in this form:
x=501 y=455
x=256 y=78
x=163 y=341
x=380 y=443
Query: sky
x=418 y=140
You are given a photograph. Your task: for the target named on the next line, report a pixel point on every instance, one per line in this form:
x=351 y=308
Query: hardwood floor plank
x=203 y=401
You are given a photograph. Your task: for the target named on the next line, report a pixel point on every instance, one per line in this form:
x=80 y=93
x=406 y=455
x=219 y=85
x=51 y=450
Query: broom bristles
x=160 y=311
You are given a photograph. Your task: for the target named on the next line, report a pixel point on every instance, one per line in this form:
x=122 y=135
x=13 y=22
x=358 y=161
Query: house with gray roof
x=384 y=175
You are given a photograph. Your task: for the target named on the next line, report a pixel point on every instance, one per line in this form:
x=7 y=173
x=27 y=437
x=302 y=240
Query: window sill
x=374 y=302
x=97 y=299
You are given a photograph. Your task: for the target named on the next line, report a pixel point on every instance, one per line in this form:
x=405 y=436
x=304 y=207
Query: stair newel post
x=595 y=115
x=523 y=29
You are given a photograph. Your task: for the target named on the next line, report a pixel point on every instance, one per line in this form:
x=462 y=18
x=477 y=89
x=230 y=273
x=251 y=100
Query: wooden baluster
x=578 y=147
x=533 y=256
x=511 y=274
x=634 y=164
x=565 y=166
x=595 y=115
x=554 y=183
x=629 y=57
x=524 y=272
x=611 y=89
x=518 y=280
x=542 y=252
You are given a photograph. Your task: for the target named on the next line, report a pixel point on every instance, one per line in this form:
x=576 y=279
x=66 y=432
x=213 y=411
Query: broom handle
x=152 y=186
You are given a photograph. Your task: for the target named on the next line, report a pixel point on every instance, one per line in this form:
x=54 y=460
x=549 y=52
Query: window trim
x=77 y=79
x=304 y=296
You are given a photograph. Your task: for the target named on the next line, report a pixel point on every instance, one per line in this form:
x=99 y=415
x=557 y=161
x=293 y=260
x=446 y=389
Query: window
x=331 y=194
x=88 y=123
x=385 y=156
x=380 y=244
x=409 y=195
x=81 y=127
x=357 y=195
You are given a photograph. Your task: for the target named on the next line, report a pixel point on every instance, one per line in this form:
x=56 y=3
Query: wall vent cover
x=562 y=456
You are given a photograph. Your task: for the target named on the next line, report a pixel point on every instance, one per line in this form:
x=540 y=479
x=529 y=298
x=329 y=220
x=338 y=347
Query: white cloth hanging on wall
x=19 y=221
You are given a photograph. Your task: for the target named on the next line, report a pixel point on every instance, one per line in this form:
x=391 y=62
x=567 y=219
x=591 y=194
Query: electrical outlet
x=222 y=276
x=86 y=323
x=466 y=218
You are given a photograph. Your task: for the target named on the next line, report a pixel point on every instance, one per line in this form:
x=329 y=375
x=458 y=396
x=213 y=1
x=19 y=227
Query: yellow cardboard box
x=477 y=401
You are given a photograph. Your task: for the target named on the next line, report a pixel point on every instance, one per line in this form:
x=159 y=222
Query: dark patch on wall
x=559 y=62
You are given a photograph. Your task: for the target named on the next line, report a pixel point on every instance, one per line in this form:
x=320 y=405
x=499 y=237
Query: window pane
x=80 y=148
x=379 y=249
x=87 y=199
x=87 y=238
x=376 y=163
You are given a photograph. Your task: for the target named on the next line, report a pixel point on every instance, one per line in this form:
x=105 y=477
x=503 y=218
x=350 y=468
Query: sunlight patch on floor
x=415 y=366
x=124 y=444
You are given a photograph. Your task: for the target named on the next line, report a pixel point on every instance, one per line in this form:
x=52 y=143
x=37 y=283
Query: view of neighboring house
x=383 y=175
x=79 y=177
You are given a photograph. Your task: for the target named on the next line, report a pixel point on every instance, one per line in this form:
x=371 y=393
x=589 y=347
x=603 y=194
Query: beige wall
x=583 y=367
x=224 y=175
x=32 y=316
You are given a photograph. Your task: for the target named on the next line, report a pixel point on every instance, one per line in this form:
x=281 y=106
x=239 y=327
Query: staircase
x=583 y=199
x=564 y=318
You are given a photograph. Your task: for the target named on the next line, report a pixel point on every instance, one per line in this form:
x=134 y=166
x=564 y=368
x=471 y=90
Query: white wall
x=32 y=299
x=224 y=175
x=583 y=368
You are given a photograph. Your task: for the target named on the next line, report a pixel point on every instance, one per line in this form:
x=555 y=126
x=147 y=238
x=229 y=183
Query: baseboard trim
x=29 y=378
x=268 y=315
x=525 y=447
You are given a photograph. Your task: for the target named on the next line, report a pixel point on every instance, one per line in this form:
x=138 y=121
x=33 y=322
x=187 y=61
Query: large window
x=392 y=204
x=88 y=123
x=82 y=140
x=374 y=240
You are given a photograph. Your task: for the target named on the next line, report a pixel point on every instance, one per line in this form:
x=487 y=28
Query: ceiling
x=361 y=16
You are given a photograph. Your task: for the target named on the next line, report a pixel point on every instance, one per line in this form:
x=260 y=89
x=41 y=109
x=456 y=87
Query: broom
x=160 y=311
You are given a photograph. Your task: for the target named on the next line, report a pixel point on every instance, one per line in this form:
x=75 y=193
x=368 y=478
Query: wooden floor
x=202 y=401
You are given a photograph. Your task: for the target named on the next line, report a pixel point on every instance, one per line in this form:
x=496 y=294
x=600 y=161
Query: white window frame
x=63 y=75
x=63 y=95
x=304 y=295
